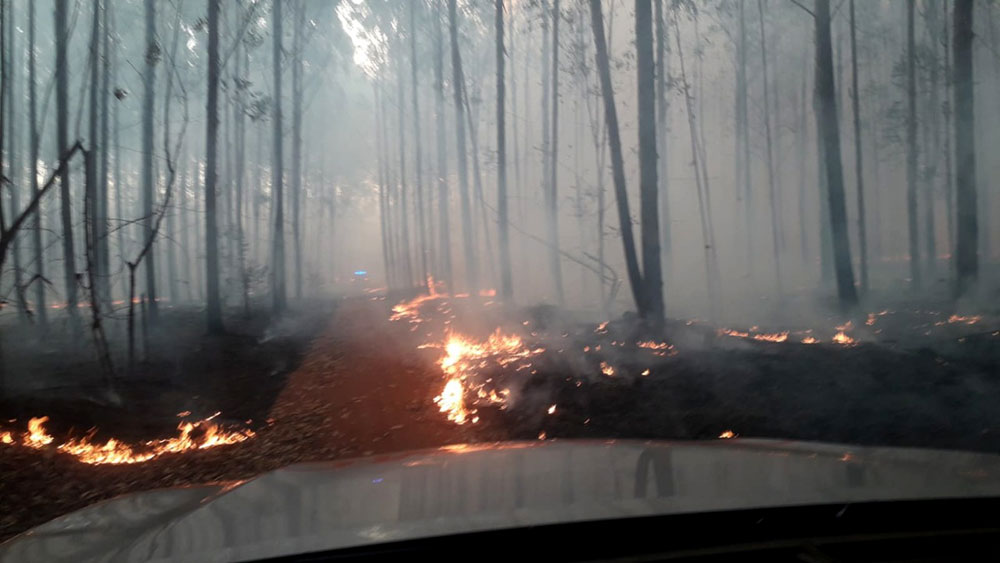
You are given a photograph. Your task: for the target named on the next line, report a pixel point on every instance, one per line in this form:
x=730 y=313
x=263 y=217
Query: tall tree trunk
x=916 y=271
x=297 y=231
x=102 y=235
x=967 y=240
x=152 y=54
x=827 y=117
x=743 y=132
x=472 y=276
x=404 y=212
x=444 y=252
x=617 y=162
x=418 y=161
x=41 y=309
x=648 y=185
x=382 y=185
x=279 y=301
x=94 y=141
x=14 y=158
x=801 y=157
x=858 y=161
x=553 y=188
x=949 y=185
x=211 y=238
x=771 y=192
x=662 y=133
x=62 y=144
x=506 y=285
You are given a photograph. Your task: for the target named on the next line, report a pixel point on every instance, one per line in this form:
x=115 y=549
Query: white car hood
x=338 y=504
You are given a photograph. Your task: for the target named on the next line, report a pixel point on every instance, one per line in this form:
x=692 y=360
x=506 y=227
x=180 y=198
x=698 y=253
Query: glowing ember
x=971 y=320
x=541 y=435
x=602 y=328
x=645 y=373
x=810 y=340
x=872 y=317
x=841 y=338
x=607 y=370
x=198 y=435
x=552 y=409
x=849 y=325
x=727 y=434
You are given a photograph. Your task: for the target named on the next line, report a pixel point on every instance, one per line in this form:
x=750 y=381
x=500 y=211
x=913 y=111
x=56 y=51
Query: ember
x=197 y=435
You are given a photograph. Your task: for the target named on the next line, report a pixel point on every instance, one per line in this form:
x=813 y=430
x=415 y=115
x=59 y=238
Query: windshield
x=238 y=235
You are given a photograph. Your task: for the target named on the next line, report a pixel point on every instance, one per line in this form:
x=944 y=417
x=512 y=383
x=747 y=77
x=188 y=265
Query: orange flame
x=115 y=452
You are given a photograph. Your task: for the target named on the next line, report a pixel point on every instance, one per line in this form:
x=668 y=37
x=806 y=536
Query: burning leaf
x=726 y=434
x=607 y=370
x=841 y=338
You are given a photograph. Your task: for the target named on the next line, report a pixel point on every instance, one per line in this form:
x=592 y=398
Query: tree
x=826 y=117
x=34 y=142
x=444 y=252
x=152 y=55
x=418 y=160
x=617 y=162
x=213 y=302
x=772 y=196
x=662 y=132
x=296 y=187
x=62 y=143
x=967 y=240
x=506 y=286
x=468 y=244
x=916 y=271
x=279 y=301
x=652 y=308
x=553 y=188
x=858 y=157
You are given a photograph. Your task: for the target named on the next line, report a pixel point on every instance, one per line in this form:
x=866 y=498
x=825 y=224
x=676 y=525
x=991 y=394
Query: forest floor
x=343 y=380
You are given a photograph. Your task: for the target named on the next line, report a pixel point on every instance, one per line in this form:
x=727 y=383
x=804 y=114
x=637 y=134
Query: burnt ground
x=340 y=380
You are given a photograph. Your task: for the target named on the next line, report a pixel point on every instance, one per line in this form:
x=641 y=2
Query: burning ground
x=381 y=374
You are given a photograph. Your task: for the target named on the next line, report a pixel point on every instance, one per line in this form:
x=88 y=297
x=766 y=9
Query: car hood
x=467 y=488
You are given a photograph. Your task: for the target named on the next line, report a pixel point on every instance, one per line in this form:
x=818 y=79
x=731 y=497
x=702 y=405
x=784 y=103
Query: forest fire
x=465 y=359
x=197 y=435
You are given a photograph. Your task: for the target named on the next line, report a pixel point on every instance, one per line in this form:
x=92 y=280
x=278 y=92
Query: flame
x=726 y=434
x=113 y=451
x=607 y=370
x=602 y=328
x=552 y=409
x=841 y=338
x=645 y=372
x=763 y=336
x=809 y=340
x=463 y=359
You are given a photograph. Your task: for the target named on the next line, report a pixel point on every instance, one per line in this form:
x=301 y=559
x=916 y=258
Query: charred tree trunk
x=472 y=276
x=967 y=240
x=617 y=162
x=662 y=133
x=827 y=118
x=211 y=238
x=102 y=235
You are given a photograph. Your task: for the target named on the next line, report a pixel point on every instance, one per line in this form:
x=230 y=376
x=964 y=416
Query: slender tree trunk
x=506 y=285
x=858 y=160
x=297 y=230
x=404 y=212
x=211 y=238
x=617 y=162
x=801 y=144
x=743 y=132
x=37 y=224
x=771 y=192
x=472 y=276
x=103 y=244
x=967 y=240
x=916 y=270
x=949 y=179
x=418 y=161
x=834 y=172
x=382 y=184
x=62 y=144
x=279 y=301
x=92 y=198
x=662 y=133
x=152 y=57
x=14 y=99
x=553 y=207
x=444 y=251
x=648 y=183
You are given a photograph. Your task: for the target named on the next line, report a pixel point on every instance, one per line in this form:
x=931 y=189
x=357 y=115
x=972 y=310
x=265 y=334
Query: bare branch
x=807 y=10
